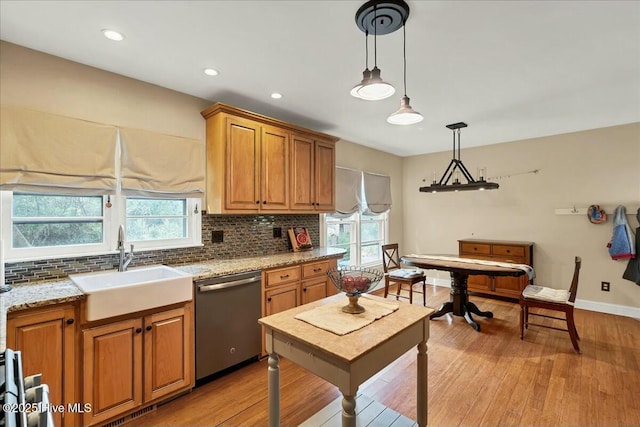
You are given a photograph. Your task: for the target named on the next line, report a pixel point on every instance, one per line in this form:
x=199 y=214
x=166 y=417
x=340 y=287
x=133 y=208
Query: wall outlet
x=605 y=286
x=277 y=232
x=217 y=236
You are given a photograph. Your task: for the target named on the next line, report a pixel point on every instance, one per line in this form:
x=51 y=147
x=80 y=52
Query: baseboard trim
x=601 y=307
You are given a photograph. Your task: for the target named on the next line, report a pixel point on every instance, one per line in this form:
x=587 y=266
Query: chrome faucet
x=125 y=259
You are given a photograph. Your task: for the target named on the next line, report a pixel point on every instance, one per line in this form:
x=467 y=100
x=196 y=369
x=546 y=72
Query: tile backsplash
x=242 y=235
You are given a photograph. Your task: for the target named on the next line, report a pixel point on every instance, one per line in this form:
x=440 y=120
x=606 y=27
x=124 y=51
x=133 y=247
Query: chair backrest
x=390 y=257
x=573 y=290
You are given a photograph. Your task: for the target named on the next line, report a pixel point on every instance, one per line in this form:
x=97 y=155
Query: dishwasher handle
x=225 y=285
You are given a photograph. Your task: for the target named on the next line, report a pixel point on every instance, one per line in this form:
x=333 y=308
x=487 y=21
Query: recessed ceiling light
x=113 y=35
x=276 y=95
x=211 y=72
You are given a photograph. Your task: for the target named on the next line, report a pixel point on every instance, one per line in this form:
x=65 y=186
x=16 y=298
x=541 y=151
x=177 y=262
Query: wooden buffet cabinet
x=257 y=164
x=288 y=287
x=497 y=250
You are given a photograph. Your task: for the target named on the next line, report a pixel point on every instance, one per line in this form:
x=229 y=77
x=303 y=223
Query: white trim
x=603 y=307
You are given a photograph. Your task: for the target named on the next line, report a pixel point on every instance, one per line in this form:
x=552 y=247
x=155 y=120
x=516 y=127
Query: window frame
x=357 y=220
x=112 y=218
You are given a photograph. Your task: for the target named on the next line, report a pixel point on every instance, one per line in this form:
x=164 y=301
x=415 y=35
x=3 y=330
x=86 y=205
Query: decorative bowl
x=354 y=281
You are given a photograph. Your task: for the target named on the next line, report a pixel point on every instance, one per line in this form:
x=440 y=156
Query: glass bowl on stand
x=354 y=281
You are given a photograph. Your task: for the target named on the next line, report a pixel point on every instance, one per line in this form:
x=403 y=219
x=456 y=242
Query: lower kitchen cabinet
x=47 y=339
x=133 y=362
x=288 y=287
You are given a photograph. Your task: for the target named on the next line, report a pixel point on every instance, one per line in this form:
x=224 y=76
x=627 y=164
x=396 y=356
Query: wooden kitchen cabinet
x=312 y=174
x=288 y=287
x=47 y=339
x=253 y=165
x=134 y=362
x=497 y=250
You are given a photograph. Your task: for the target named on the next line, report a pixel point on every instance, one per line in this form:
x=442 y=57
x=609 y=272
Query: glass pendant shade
x=405 y=114
x=366 y=75
x=376 y=89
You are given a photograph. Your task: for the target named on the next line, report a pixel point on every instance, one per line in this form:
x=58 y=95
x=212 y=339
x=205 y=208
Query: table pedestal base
x=459 y=304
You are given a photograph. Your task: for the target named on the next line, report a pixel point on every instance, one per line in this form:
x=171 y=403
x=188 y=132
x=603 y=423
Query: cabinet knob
x=269 y=299
x=138 y=330
x=508 y=251
x=257 y=202
x=148 y=328
x=264 y=202
x=304 y=289
x=70 y=321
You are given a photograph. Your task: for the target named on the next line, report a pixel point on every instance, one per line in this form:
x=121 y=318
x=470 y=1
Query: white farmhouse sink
x=114 y=293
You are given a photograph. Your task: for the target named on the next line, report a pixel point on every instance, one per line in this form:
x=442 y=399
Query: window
x=36 y=226
x=152 y=223
x=360 y=235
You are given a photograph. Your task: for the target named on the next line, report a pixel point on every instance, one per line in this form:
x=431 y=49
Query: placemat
x=330 y=317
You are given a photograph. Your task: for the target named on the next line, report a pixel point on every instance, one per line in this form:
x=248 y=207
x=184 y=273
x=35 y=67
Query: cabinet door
x=46 y=339
x=479 y=283
x=274 y=171
x=242 y=181
x=325 y=167
x=282 y=298
x=167 y=354
x=313 y=290
x=302 y=174
x=112 y=369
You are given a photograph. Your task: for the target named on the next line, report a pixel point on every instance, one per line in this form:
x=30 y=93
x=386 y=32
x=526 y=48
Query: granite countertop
x=29 y=295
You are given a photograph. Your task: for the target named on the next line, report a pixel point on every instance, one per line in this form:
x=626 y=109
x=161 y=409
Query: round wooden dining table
x=460 y=270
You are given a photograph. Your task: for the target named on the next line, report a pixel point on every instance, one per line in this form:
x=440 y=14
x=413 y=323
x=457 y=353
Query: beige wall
x=600 y=166
x=354 y=156
x=48 y=83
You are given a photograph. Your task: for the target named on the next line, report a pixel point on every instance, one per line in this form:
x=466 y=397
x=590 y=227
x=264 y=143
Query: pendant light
x=366 y=74
x=457 y=168
x=381 y=17
x=405 y=115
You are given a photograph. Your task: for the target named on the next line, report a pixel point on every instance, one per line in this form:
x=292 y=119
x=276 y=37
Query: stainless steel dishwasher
x=227 y=312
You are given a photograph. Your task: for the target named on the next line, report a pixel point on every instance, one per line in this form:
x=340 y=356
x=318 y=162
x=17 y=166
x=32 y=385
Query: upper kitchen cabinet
x=312 y=174
x=259 y=164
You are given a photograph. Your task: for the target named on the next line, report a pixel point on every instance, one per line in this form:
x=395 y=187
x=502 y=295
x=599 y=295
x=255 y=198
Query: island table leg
x=274 y=390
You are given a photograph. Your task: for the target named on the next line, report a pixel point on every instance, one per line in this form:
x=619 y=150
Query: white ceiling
x=511 y=69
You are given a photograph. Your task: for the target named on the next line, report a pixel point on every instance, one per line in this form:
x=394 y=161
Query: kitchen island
x=347 y=360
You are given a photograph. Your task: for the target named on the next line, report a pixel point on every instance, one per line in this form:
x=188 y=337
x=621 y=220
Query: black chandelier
x=457 y=168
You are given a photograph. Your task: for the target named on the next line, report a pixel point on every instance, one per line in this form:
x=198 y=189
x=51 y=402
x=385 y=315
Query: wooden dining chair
x=394 y=273
x=534 y=296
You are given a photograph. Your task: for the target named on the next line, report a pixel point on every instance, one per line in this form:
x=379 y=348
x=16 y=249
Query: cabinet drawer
x=508 y=251
x=315 y=269
x=475 y=248
x=282 y=275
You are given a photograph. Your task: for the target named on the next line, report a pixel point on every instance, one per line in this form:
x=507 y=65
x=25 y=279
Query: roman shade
x=156 y=165
x=377 y=193
x=47 y=153
x=349 y=192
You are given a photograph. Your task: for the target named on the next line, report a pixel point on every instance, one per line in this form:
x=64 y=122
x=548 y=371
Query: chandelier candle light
x=457 y=168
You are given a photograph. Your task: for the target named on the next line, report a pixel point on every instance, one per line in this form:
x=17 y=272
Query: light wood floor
x=490 y=378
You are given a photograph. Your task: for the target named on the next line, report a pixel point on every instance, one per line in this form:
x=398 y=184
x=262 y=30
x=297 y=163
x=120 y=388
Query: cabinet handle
x=138 y=330
x=508 y=251
x=304 y=289
x=264 y=202
x=257 y=202
x=148 y=328
x=284 y=276
x=269 y=299
x=315 y=270
x=70 y=321
x=475 y=249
